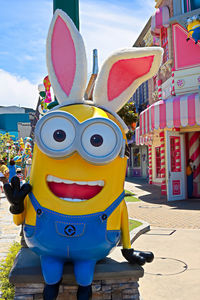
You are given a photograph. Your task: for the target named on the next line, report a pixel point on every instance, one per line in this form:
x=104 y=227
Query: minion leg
x=52 y=269
x=84 y=272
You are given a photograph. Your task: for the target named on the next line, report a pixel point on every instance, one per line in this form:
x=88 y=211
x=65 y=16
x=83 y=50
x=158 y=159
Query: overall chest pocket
x=70 y=230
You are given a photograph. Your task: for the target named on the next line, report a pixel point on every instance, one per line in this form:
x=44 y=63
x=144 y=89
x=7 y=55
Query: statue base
x=113 y=279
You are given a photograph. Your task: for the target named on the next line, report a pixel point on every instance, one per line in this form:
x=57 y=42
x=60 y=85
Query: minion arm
x=19 y=219
x=125 y=227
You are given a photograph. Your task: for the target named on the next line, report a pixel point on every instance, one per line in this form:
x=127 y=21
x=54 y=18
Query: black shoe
x=146 y=254
x=84 y=292
x=51 y=291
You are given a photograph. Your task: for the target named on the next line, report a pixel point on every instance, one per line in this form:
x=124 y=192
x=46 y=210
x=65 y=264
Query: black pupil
x=96 y=140
x=59 y=135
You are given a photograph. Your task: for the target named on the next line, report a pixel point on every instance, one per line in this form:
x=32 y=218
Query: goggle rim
x=76 y=145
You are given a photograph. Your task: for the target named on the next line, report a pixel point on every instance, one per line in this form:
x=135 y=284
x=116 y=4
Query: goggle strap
x=122 y=152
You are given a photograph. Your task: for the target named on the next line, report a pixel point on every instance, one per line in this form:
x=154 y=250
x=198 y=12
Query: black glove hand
x=137 y=257
x=16 y=195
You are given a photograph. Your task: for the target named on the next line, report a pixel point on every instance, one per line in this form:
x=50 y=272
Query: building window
x=136 y=157
x=175 y=149
x=189 y=5
x=158 y=162
x=164 y=44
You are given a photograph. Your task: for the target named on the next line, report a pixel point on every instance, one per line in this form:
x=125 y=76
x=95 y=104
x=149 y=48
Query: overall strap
x=112 y=207
x=34 y=202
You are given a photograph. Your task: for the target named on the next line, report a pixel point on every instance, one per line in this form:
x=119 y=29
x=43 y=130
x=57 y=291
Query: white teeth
x=73 y=200
x=51 y=178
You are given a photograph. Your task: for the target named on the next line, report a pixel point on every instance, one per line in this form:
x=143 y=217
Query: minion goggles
x=98 y=140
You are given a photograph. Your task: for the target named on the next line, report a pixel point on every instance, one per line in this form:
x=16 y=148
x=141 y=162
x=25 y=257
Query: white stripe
x=157 y=115
x=197 y=108
x=146 y=129
x=150 y=128
x=137 y=133
x=169 y=113
x=142 y=123
x=194 y=146
x=184 y=110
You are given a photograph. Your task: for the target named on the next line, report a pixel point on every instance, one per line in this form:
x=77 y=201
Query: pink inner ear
x=63 y=55
x=124 y=72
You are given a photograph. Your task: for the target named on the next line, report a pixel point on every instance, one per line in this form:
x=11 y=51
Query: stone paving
x=9 y=232
x=155 y=209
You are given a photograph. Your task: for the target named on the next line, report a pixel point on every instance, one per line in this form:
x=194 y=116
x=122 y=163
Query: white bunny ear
x=66 y=59
x=122 y=73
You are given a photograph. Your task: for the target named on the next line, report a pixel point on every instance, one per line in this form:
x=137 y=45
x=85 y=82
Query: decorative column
x=194 y=154
x=159 y=89
x=173 y=86
x=150 y=164
x=162 y=159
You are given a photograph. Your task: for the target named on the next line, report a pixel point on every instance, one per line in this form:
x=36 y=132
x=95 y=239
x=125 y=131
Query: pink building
x=170 y=126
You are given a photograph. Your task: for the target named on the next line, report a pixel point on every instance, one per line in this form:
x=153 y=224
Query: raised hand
x=137 y=257
x=16 y=194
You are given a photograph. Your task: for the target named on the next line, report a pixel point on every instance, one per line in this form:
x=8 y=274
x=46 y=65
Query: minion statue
x=193 y=27
x=74 y=208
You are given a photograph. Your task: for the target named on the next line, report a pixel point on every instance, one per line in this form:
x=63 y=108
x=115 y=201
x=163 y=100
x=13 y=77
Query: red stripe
x=196 y=154
x=191 y=110
x=162 y=109
x=141 y=124
x=193 y=138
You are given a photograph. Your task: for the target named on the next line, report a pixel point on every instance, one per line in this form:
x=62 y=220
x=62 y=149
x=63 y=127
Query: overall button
x=104 y=217
x=39 y=211
x=70 y=230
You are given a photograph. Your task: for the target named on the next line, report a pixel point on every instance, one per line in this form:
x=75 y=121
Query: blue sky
x=105 y=25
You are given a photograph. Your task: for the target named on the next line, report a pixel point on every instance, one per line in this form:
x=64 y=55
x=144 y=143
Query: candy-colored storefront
x=173 y=130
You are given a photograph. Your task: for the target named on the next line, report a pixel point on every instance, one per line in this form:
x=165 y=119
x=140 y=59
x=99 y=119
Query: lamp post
x=71 y=7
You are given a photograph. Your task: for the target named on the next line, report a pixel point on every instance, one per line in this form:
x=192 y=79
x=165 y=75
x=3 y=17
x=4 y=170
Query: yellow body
x=75 y=168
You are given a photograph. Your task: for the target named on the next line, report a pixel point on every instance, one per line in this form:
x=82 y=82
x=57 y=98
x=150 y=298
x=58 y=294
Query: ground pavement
x=8 y=231
x=175 y=240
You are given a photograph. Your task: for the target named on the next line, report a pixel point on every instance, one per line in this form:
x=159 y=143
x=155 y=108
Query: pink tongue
x=74 y=190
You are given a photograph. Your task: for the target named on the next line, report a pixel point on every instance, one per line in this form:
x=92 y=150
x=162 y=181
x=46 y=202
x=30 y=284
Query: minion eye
x=57 y=133
x=99 y=139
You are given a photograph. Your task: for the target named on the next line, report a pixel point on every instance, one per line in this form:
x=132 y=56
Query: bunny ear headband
x=121 y=74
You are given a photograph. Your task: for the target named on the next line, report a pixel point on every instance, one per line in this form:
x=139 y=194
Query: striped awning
x=159 y=19
x=141 y=140
x=176 y=112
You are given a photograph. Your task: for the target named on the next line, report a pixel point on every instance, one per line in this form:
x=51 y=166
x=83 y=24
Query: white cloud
x=17 y=91
x=108 y=27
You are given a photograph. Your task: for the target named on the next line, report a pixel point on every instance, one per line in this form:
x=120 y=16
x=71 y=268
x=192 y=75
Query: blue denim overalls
x=83 y=239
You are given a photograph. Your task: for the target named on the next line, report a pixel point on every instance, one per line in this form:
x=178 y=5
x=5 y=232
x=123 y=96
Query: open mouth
x=74 y=191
